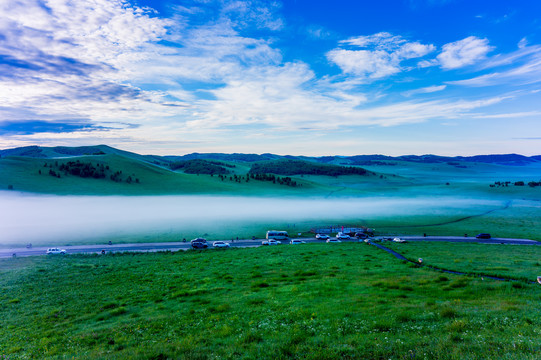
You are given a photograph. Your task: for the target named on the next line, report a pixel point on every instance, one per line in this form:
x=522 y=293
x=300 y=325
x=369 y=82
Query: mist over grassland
x=40 y=218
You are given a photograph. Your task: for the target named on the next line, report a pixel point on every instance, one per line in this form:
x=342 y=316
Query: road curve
x=176 y=246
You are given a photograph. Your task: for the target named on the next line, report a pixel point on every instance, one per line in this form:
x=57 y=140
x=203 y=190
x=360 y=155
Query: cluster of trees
x=198 y=166
x=84 y=170
x=300 y=167
x=235 y=178
x=287 y=181
x=87 y=170
x=516 y=183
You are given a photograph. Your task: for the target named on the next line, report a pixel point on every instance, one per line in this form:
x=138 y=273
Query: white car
x=333 y=241
x=296 y=242
x=274 y=242
x=342 y=236
x=322 y=236
x=55 y=251
x=221 y=244
x=399 y=240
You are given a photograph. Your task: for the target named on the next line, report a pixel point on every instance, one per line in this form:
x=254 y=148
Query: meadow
x=312 y=301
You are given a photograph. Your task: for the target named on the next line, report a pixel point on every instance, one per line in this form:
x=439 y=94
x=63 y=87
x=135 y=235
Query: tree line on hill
x=286 y=180
x=516 y=183
x=300 y=167
x=87 y=170
x=199 y=166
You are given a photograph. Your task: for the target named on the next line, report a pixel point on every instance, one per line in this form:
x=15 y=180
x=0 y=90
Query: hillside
x=112 y=174
x=103 y=170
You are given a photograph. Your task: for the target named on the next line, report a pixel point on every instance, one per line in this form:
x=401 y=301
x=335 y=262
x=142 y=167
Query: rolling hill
x=104 y=170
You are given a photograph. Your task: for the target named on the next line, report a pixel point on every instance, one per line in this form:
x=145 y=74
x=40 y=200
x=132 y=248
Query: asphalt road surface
x=176 y=246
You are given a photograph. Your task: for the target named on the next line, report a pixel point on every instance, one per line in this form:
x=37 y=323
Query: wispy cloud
x=520 y=67
x=425 y=90
x=380 y=55
x=463 y=52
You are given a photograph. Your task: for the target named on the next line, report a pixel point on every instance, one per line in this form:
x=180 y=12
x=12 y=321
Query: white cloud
x=463 y=52
x=383 y=57
x=425 y=90
x=518 y=68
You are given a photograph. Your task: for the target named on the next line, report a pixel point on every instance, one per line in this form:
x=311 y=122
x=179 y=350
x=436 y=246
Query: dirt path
x=431 y=267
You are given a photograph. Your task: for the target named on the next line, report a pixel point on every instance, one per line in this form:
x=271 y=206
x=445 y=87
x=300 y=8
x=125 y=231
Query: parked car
x=483 y=236
x=334 y=241
x=342 y=236
x=296 y=242
x=55 y=251
x=361 y=235
x=271 y=242
x=221 y=244
x=399 y=240
x=322 y=236
x=199 y=243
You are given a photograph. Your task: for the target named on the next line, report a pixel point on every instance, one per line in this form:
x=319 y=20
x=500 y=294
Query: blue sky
x=293 y=77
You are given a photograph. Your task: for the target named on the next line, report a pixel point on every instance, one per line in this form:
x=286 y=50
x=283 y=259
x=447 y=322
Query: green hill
x=60 y=176
x=103 y=170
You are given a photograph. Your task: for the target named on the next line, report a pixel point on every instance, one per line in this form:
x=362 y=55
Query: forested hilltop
x=300 y=167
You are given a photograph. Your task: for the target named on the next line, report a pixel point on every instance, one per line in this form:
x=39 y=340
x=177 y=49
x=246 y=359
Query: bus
x=277 y=235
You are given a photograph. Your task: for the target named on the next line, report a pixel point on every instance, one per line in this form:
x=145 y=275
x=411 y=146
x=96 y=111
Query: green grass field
x=313 y=301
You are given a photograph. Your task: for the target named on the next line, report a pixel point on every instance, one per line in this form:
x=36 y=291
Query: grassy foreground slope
x=315 y=301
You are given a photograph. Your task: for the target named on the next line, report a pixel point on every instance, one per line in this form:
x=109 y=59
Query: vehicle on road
x=322 y=236
x=342 y=236
x=277 y=235
x=399 y=240
x=271 y=242
x=199 y=243
x=221 y=244
x=330 y=241
x=296 y=242
x=55 y=251
x=361 y=235
x=483 y=236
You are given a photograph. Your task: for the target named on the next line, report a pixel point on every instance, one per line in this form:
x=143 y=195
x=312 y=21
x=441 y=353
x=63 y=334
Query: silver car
x=55 y=251
x=221 y=244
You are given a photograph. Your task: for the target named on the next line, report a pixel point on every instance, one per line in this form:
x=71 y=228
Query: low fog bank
x=29 y=217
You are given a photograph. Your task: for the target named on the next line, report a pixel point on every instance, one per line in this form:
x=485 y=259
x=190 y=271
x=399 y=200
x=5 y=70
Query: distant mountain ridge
x=65 y=151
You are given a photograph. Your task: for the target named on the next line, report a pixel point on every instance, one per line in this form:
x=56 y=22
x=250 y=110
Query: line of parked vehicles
x=275 y=237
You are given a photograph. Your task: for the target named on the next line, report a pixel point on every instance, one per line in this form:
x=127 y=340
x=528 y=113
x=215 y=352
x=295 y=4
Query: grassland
x=314 y=301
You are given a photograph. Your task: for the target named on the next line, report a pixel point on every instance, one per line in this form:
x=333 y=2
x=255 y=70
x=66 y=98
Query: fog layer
x=28 y=217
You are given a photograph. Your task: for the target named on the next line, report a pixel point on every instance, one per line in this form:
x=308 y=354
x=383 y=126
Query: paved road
x=176 y=246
